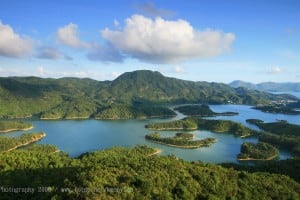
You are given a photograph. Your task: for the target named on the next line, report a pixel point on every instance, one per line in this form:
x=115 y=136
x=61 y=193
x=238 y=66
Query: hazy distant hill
x=75 y=97
x=268 y=86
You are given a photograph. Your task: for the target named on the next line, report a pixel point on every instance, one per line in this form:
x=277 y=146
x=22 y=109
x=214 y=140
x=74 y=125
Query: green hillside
x=83 y=98
x=132 y=173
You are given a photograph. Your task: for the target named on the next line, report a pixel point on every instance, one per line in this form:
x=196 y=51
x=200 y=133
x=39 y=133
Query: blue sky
x=219 y=41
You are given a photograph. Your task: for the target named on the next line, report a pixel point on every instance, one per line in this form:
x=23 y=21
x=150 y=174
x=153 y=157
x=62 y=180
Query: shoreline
x=157 y=151
x=146 y=117
x=249 y=159
x=27 y=143
x=182 y=147
x=171 y=129
x=16 y=129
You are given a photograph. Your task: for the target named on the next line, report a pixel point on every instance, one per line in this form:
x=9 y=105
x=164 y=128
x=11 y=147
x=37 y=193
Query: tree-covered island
x=180 y=140
x=259 y=151
x=280 y=133
x=192 y=123
x=277 y=109
x=8 y=126
x=201 y=111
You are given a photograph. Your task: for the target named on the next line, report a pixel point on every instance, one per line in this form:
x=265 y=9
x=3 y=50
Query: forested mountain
x=268 y=86
x=84 y=98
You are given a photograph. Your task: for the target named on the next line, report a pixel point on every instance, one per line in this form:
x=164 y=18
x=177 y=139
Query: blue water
x=79 y=136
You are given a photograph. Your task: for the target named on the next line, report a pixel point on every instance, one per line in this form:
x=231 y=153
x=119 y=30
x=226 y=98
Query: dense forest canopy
x=192 y=123
x=130 y=173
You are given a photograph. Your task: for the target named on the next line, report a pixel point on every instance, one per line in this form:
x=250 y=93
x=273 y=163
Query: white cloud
x=115 y=74
x=12 y=44
x=178 y=69
x=275 y=70
x=116 y=22
x=105 y=53
x=163 y=41
x=49 y=53
x=40 y=70
x=150 y=9
x=67 y=35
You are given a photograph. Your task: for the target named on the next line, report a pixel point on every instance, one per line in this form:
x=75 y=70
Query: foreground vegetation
x=128 y=173
x=7 y=126
x=192 y=123
x=11 y=143
x=259 y=151
x=180 y=141
x=201 y=111
x=280 y=134
x=44 y=148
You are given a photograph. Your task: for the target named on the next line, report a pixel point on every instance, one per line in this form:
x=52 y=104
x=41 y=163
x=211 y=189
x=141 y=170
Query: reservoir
x=79 y=136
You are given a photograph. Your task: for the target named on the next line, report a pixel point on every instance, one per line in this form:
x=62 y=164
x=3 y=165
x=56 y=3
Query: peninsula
x=8 y=126
x=9 y=144
x=201 y=111
x=193 y=123
x=259 y=151
x=180 y=140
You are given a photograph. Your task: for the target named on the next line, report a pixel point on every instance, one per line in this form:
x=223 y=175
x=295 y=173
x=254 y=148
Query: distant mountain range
x=268 y=86
x=84 y=98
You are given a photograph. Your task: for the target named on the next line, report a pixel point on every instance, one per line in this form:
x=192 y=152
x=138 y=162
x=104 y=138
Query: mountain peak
x=139 y=73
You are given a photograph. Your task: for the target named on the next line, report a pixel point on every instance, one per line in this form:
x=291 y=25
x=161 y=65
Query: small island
x=277 y=109
x=259 y=151
x=180 y=140
x=8 y=126
x=193 y=123
x=9 y=144
x=280 y=133
x=201 y=111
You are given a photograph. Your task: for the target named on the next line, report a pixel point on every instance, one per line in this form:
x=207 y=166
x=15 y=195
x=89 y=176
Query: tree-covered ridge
x=277 y=109
x=128 y=173
x=81 y=98
x=129 y=112
x=289 y=167
x=11 y=143
x=180 y=141
x=279 y=127
x=201 y=111
x=45 y=148
x=192 y=123
x=259 y=151
x=268 y=86
x=7 y=126
x=280 y=134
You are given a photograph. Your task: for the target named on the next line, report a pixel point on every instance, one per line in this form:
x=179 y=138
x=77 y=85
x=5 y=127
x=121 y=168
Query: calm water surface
x=78 y=136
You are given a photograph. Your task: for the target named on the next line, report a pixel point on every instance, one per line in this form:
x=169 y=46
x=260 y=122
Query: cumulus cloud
x=275 y=70
x=178 y=69
x=150 y=9
x=162 y=41
x=12 y=44
x=48 y=53
x=68 y=35
x=51 y=53
x=105 y=53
